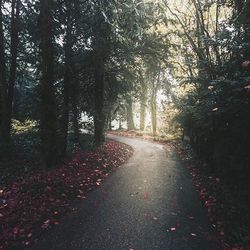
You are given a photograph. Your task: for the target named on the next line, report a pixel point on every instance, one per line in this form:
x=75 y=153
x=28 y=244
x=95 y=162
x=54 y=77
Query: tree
x=143 y=102
x=7 y=86
x=69 y=82
x=13 y=61
x=48 y=104
x=3 y=80
x=130 y=115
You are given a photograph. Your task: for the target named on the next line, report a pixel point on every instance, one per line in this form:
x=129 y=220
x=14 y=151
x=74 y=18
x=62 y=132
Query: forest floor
x=227 y=202
x=148 y=203
x=42 y=198
x=32 y=199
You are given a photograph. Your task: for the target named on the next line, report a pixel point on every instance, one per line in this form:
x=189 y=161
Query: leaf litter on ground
x=34 y=203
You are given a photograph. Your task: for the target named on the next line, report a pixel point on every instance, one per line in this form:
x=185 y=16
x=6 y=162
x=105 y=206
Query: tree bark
x=109 y=120
x=120 y=123
x=13 y=64
x=75 y=103
x=48 y=105
x=3 y=83
x=143 y=105
x=99 y=117
x=154 y=113
x=155 y=87
x=100 y=45
x=130 y=119
x=75 y=121
x=68 y=54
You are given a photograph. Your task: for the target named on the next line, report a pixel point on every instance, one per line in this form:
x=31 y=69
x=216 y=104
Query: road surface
x=148 y=203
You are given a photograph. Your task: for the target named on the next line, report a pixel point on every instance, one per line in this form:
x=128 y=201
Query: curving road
x=149 y=203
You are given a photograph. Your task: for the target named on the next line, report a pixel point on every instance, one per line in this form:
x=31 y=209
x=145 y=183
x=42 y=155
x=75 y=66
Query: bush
x=23 y=127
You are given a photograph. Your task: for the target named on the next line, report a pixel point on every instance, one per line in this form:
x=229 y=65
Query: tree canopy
x=161 y=66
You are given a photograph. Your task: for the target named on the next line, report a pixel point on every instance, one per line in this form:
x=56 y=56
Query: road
x=148 y=203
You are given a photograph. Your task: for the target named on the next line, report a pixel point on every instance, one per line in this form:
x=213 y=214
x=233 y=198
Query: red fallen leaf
x=15 y=230
x=48 y=188
x=80 y=191
x=81 y=197
x=146 y=196
x=56 y=213
x=29 y=235
x=27 y=243
x=33 y=208
x=45 y=224
x=56 y=223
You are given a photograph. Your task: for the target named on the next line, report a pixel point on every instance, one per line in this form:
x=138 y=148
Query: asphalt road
x=148 y=203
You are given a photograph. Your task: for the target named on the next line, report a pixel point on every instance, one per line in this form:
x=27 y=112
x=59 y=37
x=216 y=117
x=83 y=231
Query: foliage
x=214 y=102
x=22 y=127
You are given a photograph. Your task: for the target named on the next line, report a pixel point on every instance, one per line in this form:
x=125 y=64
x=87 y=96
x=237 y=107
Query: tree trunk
x=100 y=45
x=75 y=109
x=246 y=27
x=67 y=83
x=99 y=117
x=3 y=84
x=13 y=63
x=153 y=113
x=155 y=87
x=242 y=9
x=143 y=104
x=120 y=123
x=75 y=119
x=75 y=104
x=48 y=105
x=130 y=119
x=110 y=121
x=66 y=95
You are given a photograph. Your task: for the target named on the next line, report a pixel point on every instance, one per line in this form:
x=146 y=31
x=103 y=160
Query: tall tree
x=3 y=80
x=7 y=84
x=48 y=105
x=15 y=26
x=101 y=32
x=143 y=101
x=67 y=82
x=130 y=115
